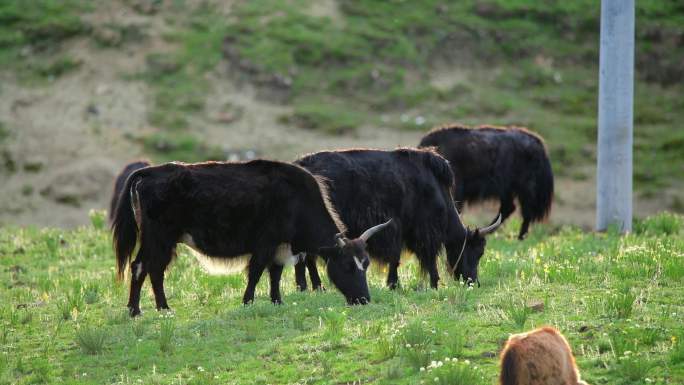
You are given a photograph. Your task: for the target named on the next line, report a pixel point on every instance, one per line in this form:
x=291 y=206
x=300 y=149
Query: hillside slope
x=87 y=86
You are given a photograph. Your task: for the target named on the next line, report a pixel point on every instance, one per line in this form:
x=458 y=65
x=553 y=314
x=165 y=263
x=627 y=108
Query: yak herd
x=347 y=207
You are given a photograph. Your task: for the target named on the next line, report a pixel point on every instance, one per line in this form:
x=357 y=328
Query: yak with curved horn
x=262 y=214
x=411 y=186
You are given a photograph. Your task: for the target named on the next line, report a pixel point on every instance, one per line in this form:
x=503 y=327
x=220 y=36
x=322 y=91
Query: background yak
x=120 y=181
x=261 y=213
x=412 y=186
x=498 y=163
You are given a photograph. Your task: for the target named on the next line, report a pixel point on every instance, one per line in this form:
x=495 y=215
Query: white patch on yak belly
x=284 y=256
x=216 y=265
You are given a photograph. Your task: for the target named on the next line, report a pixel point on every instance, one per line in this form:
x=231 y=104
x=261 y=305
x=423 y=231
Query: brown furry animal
x=539 y=357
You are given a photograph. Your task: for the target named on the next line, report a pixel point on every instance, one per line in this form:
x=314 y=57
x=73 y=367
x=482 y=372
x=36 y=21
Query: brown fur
x=539 y=357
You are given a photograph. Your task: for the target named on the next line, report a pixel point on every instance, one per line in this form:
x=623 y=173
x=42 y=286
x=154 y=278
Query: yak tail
x=119 y=184
x=536 y=195
x=125 y=224
x=509 y=368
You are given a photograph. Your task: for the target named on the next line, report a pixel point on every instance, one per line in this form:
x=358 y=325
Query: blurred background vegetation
x=340 y=68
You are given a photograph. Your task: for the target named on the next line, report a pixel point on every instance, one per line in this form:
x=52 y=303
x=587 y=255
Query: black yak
x=412 y=186
x=501 y=163
x=263 y=213
x=539 y=357
x=120 y=181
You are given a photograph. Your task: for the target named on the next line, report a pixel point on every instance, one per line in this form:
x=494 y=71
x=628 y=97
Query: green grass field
x=617 y=299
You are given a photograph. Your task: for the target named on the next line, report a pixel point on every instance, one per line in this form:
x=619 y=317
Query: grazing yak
x=539 y=357
x=501 y=163
x=120 y=181
x=412 y=186
x=263 y=213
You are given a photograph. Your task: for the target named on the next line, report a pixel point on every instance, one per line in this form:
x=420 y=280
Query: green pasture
x=619 y=301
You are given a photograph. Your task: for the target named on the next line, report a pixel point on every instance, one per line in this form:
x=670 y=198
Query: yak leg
x=156 y=268
x=393 y=275
x=313 y=272
x=257 y=265
x=275 y=272
x=526 y=223
x=431 y=265
x=138 y=274
x=426 y=251
x=507 y=207
x=523 y=229
x=157 y=278
x=300 y=275
x=434 y=276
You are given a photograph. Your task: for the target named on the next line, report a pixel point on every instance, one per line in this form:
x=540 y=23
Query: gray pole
x=616 y=93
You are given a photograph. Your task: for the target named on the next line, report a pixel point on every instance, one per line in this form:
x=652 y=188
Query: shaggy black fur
x=498 y=163
x=229 y=210
x=410 y=185
x=120 y=181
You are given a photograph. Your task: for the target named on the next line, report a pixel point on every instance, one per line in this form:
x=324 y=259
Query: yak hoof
x=319 y=288
x=134 y=312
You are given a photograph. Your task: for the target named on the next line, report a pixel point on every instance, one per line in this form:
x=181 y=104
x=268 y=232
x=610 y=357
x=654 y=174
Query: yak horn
x=340 y=240
x=492 y=227
x=370 y=232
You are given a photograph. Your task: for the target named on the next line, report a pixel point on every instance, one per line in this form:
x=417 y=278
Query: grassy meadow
x=617 y=299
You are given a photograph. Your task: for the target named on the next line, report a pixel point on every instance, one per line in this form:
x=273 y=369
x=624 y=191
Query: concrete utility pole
x=615 y=116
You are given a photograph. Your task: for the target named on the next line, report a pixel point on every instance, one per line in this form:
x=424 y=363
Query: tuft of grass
x=334 y=323
x=386 y=348
x=43 y=24
x=454 y=343
x=663 y=223
x=677 y=352
x=98 y=219
x=394 y=372
x=325 y=117
x=454 y=372
x=518 y=312
x=633 y=368
x=621 y=304
x=91 y=339
x=52 y=69
x=167 y=329
x=180 y=146
x=138 y=326
x=416 y=334
x=91 y=293
x=415 y=357
x=459 y=295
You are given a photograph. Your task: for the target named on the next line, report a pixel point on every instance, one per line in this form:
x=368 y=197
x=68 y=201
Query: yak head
x=464 y=263
x=347 y=263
